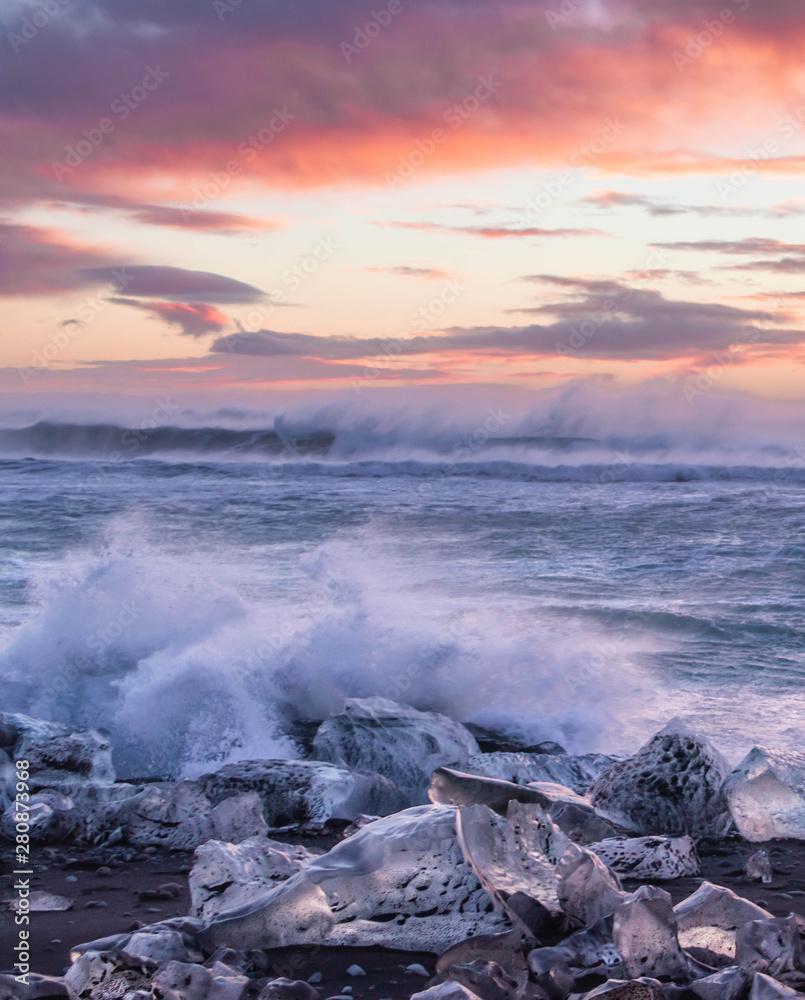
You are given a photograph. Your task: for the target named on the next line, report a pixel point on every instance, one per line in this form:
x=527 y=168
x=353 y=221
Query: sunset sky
x=266 y=195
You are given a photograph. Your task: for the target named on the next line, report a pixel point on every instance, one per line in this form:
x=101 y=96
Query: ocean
x=201 y=588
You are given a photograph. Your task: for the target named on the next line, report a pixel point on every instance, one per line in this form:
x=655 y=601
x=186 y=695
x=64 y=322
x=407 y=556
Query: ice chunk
x=400 y=882
x=504 y=948
x=766 y=795
x=399 y=742
x=487 y=980
x=569 y=811
x=182 y=817
x=644 y=931
x=96 y=973
x=40 y=901
x=766 y=988
x=181 y=981
x=710 y=917
x=456 y=788
x=515 y=859
x=771 y=946
x=758 y=867
x=577 y=773
x=588 y=890
x=731 y=983
x=226 y=875
x=649 y=857
x=671 y=786
x=303 y=791
x=55 y=752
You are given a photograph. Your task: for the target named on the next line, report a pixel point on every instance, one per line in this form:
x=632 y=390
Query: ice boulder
x=766 y=988
x=182 y=817
x=55 y=753
x=574 y=772
x=644 y=931
x=588 y=890
x=401 y=882
x=711 y=917
x=731 y=983
x=456 y=788
x=771 y=946
x=97 y=974
x=766 y=795
x=660 y=858
x=227 y=875
x=515 y=860
x=296 y=792
x=570 y=811
x=401 y=743
x=672 y=786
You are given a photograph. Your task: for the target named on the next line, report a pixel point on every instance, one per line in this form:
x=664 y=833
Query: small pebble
x=153 y=909
x=104 y=871
x=315 y=978
x=355 y=970
x=56 y=941
x=95 y=904
x=71 y=878
x=783 y=895
x=172 y=889
x=346 y=989
x=762 y=902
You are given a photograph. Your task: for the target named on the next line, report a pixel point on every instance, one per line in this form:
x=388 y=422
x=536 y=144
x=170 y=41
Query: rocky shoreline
x=421 y=856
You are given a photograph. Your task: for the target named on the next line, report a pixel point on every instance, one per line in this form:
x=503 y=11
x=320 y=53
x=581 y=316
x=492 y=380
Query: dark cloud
x=601 y=319
x=611 y=200
x=784 y=265
x=750 y=245
x=174 y=283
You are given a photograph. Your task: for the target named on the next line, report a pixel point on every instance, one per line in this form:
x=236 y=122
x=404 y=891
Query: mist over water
x=580 y=570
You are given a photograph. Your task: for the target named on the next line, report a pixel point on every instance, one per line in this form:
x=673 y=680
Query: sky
x=247 y=196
